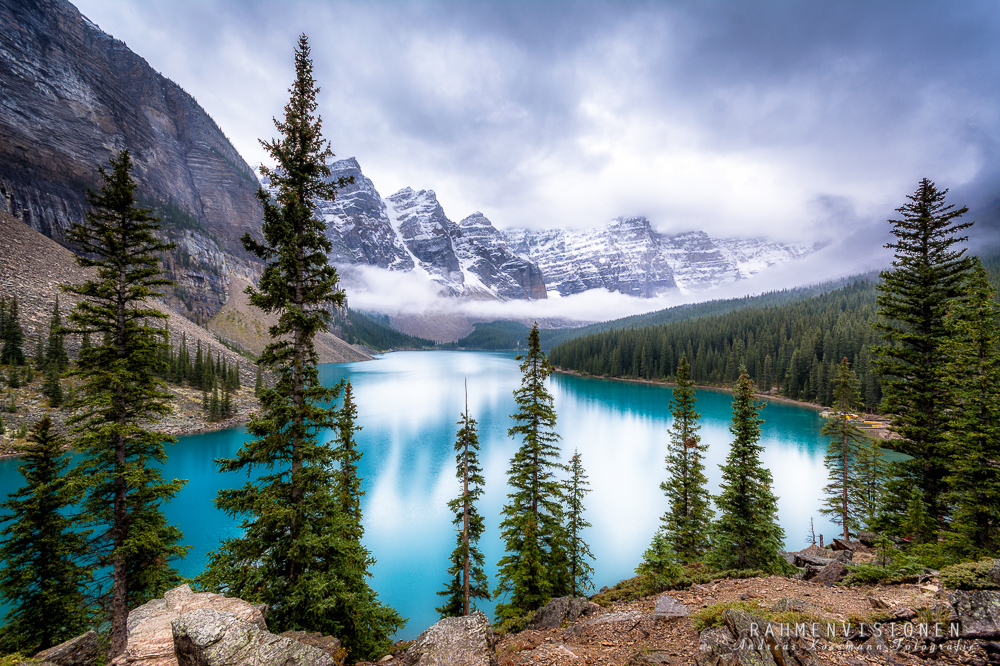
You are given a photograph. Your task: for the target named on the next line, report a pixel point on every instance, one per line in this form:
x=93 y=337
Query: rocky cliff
x=71 y=96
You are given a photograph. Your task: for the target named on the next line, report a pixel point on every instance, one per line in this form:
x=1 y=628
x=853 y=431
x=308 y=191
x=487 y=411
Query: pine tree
x=55 y=350
x=291 y=553
x=689 y=517
x=53 y=387
x=927 y=275
x=535 y=567
x=466 y=576
x=872 y=473
x=578 y=552
x=972 y=367
x=42 y=578
x=12 y=352
x=347 y=483
x=120 y=392
x=746 y=535
x=842 y=453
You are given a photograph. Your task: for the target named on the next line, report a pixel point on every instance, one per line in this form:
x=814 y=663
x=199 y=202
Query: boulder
x=668 y=607
x=562 y=611
x=843 y=555
x=804 y=560
x=456 y=641
x=327 y=644
x=978 y=611
x=150 y=637
x=208 y=637
x=79 y=651
x=867 y=538
x=745 y=640
x=830 y=574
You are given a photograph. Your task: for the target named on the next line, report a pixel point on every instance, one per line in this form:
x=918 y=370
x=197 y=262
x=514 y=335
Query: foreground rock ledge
x=208 y=637
x=150 y=637
x=455 y=641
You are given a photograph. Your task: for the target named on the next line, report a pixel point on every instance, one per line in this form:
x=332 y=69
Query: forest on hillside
x=791 y=348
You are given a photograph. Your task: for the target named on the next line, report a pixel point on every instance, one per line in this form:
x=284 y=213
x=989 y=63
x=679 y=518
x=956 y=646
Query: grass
x=638 y=587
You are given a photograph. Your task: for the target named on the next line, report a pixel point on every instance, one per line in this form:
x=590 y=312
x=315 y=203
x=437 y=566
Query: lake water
x=408 y=406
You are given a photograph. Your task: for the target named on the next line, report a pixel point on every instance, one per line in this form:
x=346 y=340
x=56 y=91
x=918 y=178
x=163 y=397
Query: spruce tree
x=535 y=567
x=53 y=386
x=55 y=350
x=746 y=535
x=120 y=393
x=927 y=275
x=42 y=579
x=689 y=517
x=466 y=577
x=842 y=453
x=578 y=552
x=972 y=367
x=12 y=352
x=347 y=483
x=872 y=471
x=291 y=553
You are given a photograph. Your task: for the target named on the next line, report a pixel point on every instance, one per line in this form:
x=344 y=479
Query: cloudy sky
x=797 y=120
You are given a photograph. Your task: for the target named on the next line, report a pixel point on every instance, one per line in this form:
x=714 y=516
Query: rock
x=562 y=611
x=867 y=538
x=843 y=555
x=714 y=644
x=830 y=574
x=668 y=607
x=456 y=641
x=841 y=544
x=877 y=603
x=978 y=611
x=208 y=637
x=79 y=651
x=805 y=560
x=327 y=644
x=150 y=637
x=546 y=653
x=791 y=604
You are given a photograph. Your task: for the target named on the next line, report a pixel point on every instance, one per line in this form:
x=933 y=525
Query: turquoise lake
x=408 y=406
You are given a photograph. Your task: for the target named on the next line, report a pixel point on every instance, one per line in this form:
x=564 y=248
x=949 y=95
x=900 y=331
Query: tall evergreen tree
x=52 y=388
x=347 y=483
x=842 y=453
x=972 y=367
x=689 y=517
x=578 y=552
x=42 y=578
x=55 y=350
x=535 y=567
x=12 y=352
x=466 y=577
x=120 y=392
x=873 y=472
x=746 y=535
x=927 y=275
x=291 y=553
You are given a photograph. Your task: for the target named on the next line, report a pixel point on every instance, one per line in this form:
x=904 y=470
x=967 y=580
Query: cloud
x=731 y=117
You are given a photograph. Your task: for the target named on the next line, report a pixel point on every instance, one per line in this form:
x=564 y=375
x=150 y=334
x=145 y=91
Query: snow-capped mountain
x=409 y=230
x=629 y=256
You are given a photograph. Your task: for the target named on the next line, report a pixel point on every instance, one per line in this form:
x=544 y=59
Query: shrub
x=971 y=575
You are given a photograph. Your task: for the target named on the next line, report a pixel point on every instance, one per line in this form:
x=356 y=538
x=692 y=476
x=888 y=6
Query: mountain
x=409 y=231
x=72 y=96
x=627 y=255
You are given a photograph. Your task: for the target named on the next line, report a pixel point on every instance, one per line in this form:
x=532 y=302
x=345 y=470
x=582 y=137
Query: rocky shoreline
x=187 y=417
